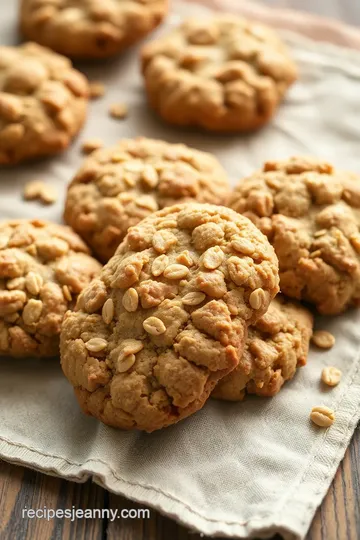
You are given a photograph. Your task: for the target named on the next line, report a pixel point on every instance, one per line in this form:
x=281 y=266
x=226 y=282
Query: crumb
x=118 y=111
x=37 y=190
x=331 y=376
x=323 y=339
x=97 y=89
x=90 y=145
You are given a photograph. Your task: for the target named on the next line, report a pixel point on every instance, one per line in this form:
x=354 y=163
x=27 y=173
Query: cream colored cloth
x=247 y=469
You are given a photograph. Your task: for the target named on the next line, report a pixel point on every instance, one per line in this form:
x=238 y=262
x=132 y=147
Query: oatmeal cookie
x=225 y=74
x=311 y=214
x=168 y=315
x=117 y=187
x=43 y=268
x=277 y=344
x=43 y=102
x=90 y=28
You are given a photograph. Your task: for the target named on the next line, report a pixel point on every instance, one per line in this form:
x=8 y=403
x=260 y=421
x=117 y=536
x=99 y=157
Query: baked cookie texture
x=88 y=28
x=43 y=102
x=277 y=344
x=168 y=315
x=221 y=74
x=311 y=214
x=43 y=268
x=117 y=187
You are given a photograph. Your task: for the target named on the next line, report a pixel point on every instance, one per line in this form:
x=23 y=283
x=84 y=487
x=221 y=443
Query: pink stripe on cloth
x=314 y=26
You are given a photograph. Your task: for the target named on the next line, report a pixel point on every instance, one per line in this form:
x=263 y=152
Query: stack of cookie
x=187 y=304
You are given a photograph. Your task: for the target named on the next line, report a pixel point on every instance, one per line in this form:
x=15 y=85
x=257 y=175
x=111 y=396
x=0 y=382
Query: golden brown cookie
x=311 y=214
x=43 y=268
x=90 y=28
x=277 y=344
x=43 y=102
x=221 y=74
x=117 y=187
x=167 y=317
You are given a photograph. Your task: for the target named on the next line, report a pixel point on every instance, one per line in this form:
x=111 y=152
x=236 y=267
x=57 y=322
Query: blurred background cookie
x=311 y=214
x=221 y=74
x=117 y=187
x=43 y=102
x=167 y=317
x=43 y=268
x=89 y=28
x=277 y=344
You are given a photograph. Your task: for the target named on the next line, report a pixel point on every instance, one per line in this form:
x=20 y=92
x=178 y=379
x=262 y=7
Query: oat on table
x=117 y=187
x=277 y=344
x=43 y=268
x=222 y=74
x=88 y=28
x=311 y=214
x=43 y=102
x=167 y=317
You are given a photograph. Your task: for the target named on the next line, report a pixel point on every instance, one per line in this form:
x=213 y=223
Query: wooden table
x=338 y=518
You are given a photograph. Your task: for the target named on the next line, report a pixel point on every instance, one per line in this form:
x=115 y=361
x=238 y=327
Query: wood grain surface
x=338 y=518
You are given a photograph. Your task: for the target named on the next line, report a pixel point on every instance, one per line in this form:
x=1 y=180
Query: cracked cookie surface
x=221 y=74
x=277 y=344
x=88 y=28
x=311 y=214
x=43 y=102
x=119 y=186
x=168 y=315
x=43 y=268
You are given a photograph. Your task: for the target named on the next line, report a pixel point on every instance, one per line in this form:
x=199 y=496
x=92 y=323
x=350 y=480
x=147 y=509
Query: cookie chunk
x=119 y=186
x=224 y=74
x=88 y=28
x=167 y=317
x=43 y=268
x=311 y=214
x=43 y=102
x=276 y=346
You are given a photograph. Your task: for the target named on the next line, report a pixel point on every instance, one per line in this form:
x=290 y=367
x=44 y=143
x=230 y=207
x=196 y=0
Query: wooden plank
x=20 y=488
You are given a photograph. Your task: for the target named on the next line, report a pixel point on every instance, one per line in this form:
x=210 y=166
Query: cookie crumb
x=323 y=339
x=97 y=89
x=331 y=375
x=37 y=190
x=118 y=111
x=322 y=416
x=90 y=145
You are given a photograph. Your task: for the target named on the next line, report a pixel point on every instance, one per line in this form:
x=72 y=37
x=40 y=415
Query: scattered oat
x=90 y=145
x=323 y=339
x=193 y=298
x=154 y=326
x=125 y=363
x=96 y=344
x=258 y=299
x=331 y=375
x=130 y=300
x=67 y=293
x=108 y=311
x=118 y=111
x=37 y=190
x=322 y=416
x=97 y=89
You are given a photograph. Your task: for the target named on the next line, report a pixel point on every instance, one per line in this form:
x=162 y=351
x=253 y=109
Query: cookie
x=43 y=102
x=167 y=317
x=88 y=28
x=276 y=346
x=117 y=187
x=222 y=74
x=43 y=268
x=311 y=214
